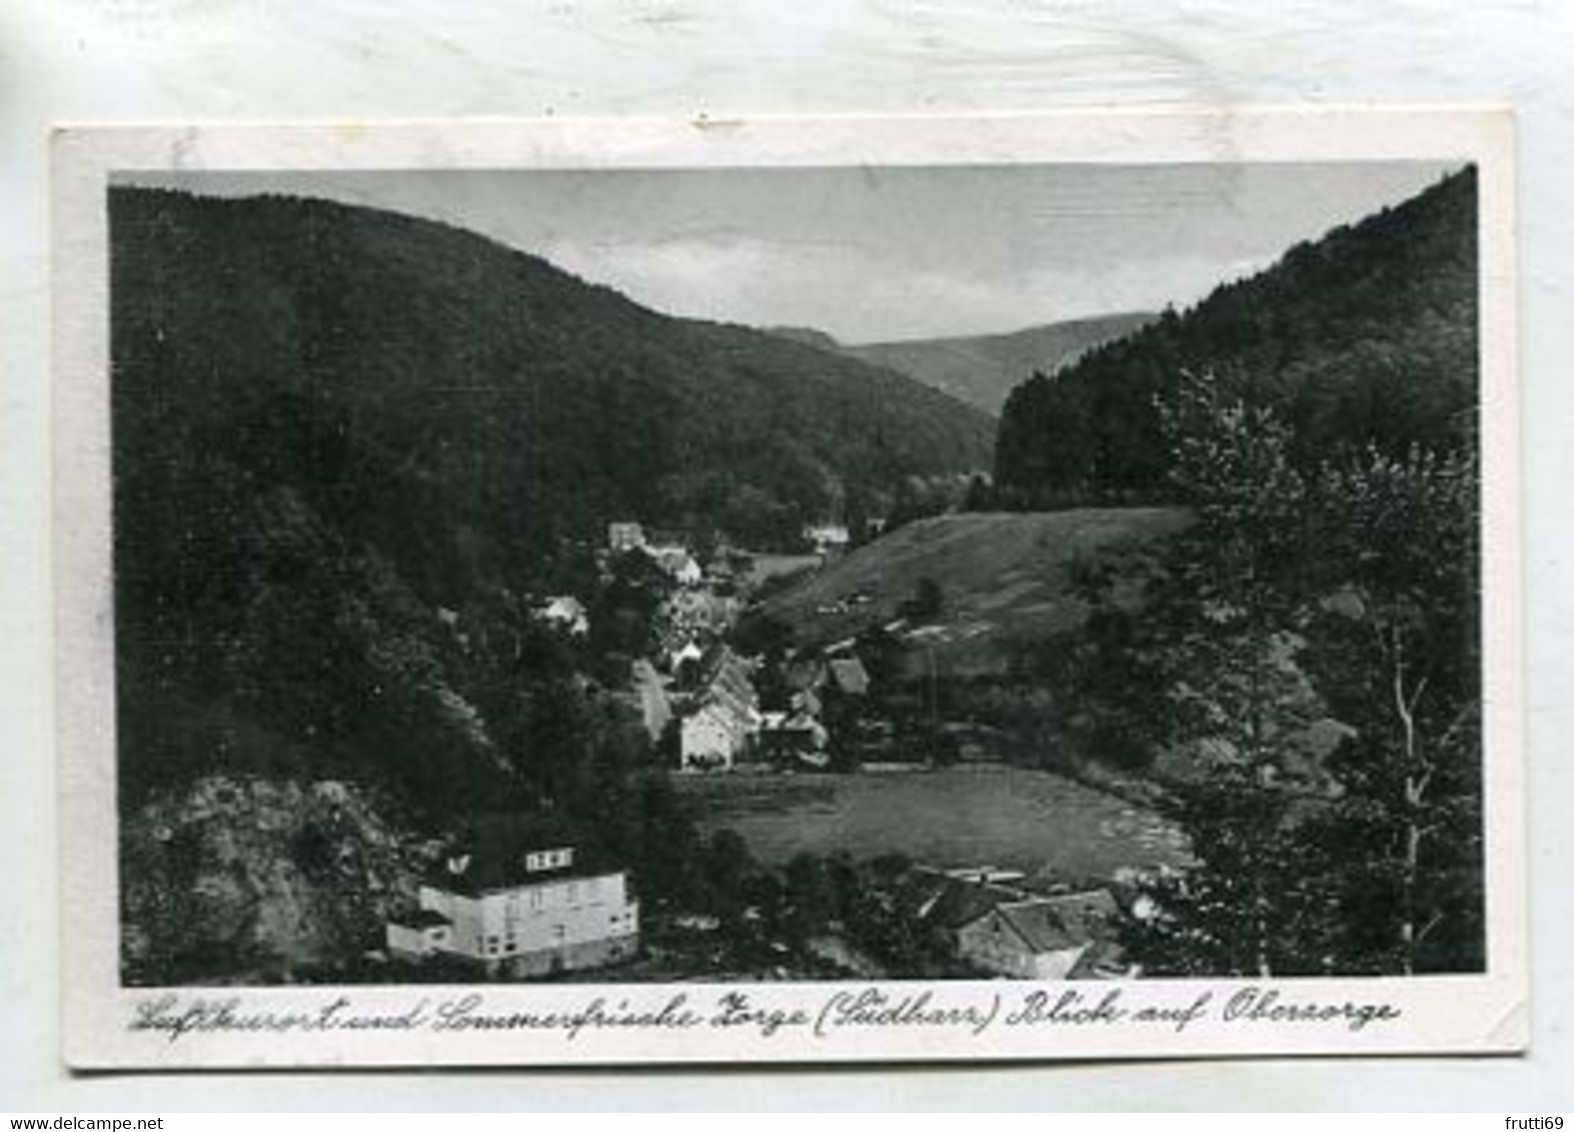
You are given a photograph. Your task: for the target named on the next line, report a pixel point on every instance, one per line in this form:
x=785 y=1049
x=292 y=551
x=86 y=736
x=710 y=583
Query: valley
x=474 y=621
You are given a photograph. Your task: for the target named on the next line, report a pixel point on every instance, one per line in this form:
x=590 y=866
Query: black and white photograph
x=656 y=587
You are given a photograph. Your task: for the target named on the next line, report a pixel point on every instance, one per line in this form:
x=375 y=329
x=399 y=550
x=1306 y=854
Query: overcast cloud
x=878 y=254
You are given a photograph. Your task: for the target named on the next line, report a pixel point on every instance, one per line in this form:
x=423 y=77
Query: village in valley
x=484 y=618
x=712 y=709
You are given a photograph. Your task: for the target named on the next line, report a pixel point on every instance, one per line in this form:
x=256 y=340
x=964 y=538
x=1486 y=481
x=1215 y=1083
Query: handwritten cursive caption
x=177 y=1016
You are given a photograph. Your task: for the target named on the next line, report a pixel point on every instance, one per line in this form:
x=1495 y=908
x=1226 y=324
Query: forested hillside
x=345 y=439
x=1366 y=336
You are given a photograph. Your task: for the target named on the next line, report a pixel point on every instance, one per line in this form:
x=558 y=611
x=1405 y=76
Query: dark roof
x=1057 y=923
x=1086 y=915
x=671 y=536
x=1101 y=959
x=1047 y=923
x=962 y=903
x=1038 y=925
x=805 y=672
x=423 y=918
x=720 y=663
x=919 y=888
x=850 y=675
x=787 y=723
x=492 y=874
x=949 y=902
x=494 y=855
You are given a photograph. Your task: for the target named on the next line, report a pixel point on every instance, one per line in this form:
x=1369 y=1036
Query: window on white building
x=548 y=859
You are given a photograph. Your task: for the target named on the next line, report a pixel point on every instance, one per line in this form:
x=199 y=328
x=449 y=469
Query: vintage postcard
x=552 y=593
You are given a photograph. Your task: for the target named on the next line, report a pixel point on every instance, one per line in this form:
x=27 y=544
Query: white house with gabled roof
x=544 y=910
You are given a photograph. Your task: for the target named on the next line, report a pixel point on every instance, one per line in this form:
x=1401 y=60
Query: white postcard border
x=110 y=1026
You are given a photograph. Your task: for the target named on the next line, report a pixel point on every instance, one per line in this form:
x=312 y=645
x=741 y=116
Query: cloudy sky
x=874 y=254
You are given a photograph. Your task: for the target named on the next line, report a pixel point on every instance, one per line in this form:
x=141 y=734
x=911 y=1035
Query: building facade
x=720 y=729
x=994 y=921
x=1021 y=940
x=713 y=738
x=623 y=537
x=551 y=915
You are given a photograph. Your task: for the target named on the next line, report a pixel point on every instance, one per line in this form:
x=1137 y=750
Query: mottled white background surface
x=130 y=60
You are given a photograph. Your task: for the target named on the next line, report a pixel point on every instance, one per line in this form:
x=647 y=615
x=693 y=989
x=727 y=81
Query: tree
x=726 y=867
x=1233 y=691
x=1399 y=655
x=1047 y=437
x=917 y=498
x=1332 y=599
x=811 y=897
x=1256 y=904
x=980 y=494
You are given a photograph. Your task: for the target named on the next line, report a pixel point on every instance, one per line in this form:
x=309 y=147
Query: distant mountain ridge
x=983 y=369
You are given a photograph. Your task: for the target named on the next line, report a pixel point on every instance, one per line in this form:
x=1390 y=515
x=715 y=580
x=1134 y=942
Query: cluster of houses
x=545 y=907
x=668 y=552
x=1007 y=924
x=699 y=687
x=723 y=725
x=542 y=904
x=694 y=685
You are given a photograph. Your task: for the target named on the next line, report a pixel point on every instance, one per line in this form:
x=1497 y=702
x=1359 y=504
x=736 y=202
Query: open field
x=1004 y=577
x=1026 y=819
